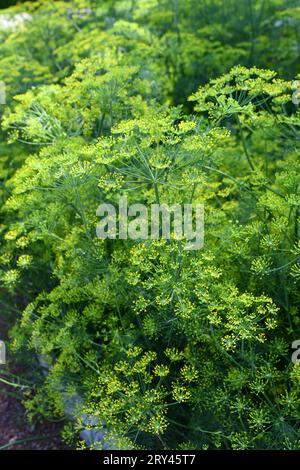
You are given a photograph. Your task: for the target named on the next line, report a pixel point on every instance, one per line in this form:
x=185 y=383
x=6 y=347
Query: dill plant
x=158 y=101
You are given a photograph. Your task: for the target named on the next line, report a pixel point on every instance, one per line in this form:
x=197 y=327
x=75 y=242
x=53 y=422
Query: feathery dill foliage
x=170 y=101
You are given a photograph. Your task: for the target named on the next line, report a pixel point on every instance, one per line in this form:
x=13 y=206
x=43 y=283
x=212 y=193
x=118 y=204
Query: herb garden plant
x=175 y=102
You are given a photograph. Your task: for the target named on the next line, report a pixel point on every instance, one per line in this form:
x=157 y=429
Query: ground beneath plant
x=15 y=431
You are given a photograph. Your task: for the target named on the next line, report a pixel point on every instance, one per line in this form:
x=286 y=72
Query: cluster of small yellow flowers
x=157 y=424
x=161 y=370
x=10 y=278
x=11 y=235
x=6 y=258
x=22 y=242
x=174 y=354
x=180 y=393
x=189 y=373
x=24 y=261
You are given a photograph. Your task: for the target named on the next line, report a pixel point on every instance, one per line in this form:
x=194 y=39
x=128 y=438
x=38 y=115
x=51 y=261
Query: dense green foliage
x=173 y=101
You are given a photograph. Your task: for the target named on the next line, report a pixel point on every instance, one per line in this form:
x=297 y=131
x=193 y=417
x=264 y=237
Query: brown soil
x=15 y=431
